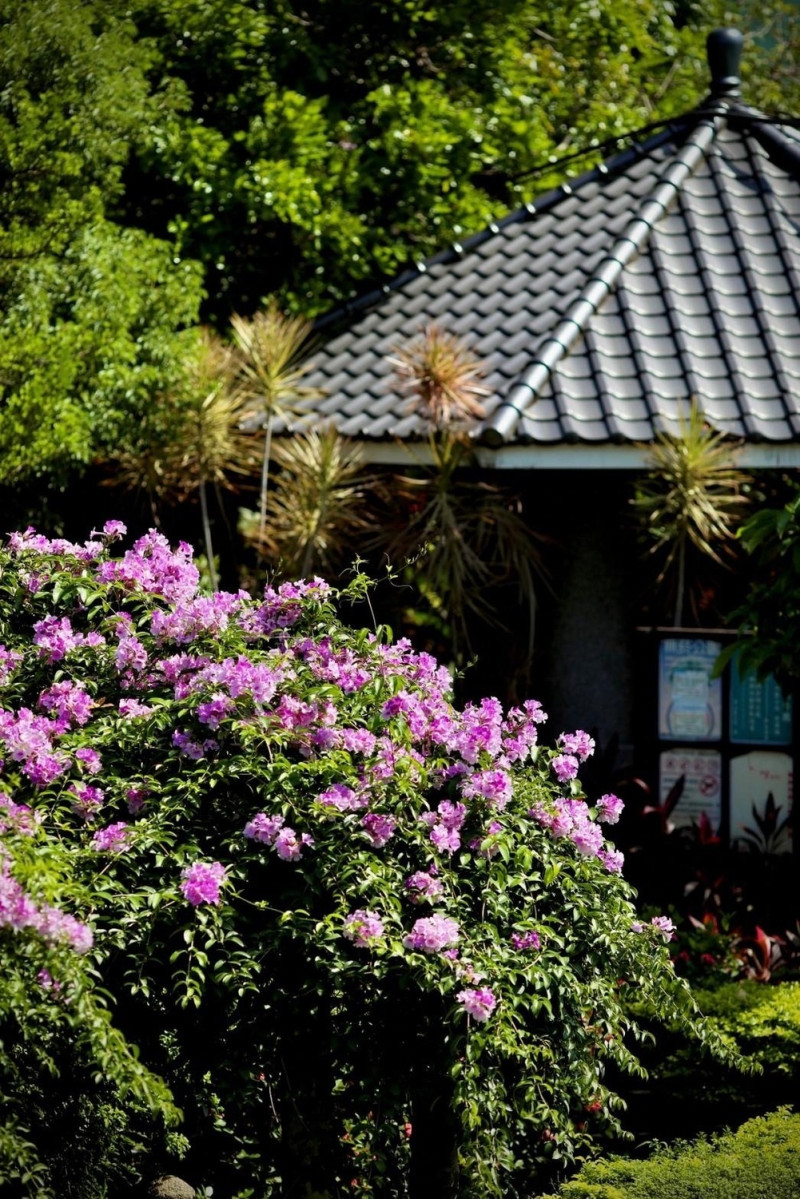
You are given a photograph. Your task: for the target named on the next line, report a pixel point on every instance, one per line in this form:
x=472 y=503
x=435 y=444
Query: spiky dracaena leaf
x=442 y=377
x=270 y=363
x=472 y=537
x=319 y=502
x=692 y=496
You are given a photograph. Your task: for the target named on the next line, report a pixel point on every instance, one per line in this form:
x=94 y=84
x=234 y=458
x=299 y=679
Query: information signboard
x=689 y=699
x=759 y=713
x=754 y=777
x=701 y=770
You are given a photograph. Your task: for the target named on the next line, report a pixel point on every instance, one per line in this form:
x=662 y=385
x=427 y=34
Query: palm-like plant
x=464 y=535
x=442 y=376
x=318 y=505
x=200 y=440
x=271 y=349
x=693 y=496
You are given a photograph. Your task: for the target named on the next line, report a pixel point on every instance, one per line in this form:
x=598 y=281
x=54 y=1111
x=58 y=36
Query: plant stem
x=265 y=473
x=681 y=582
x=207 y=534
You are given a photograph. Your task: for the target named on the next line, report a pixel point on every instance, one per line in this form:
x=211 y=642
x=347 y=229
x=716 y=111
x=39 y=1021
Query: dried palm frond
x=270 y=363
x=442 y=376
x=319 y=502
x=693 y=495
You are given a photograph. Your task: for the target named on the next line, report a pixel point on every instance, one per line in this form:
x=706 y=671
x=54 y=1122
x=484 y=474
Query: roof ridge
x=609 y=166
x=784 y=152
x=502 y=424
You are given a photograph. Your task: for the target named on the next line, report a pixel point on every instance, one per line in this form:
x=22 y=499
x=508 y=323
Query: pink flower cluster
x=445 y=825
x=114 y=838
x=55 y=638
x=273 y=830
x=571 y=818
x=424 y=885
x=477 y=1002
x=363 y=928
x=284 y=607
x=16 y=817
x=662 y=925
x=153 y=567
x=69 y=704
x=432 y=934
x=379 y=828
x=524 y=941
x=9 y=660
x=18 y=911
x=202 y=881
x=29 y=739
x=343 y=798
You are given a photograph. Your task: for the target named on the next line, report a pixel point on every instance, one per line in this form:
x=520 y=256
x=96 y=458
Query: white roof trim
x=751 y=455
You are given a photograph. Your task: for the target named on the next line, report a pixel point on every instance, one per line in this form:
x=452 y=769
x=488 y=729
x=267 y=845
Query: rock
x=170 y=1187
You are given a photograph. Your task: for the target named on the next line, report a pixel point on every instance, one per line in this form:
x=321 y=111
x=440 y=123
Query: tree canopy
x=160 y=153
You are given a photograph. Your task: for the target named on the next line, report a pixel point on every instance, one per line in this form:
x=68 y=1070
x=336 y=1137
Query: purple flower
x=89 y=759
x=130 y=655
x=578 y=743
x=133 y=708
x=360 y=741
x=46 y=981
x=432 y=934
x=529 y=940
x=289 y=846
x=88 y=800
x=612 y=859
x=55 y=637
x=264 y=828
x=423 y=885
x=565 y=767
x=379 y=828
x=137 y=798
x=114 y=529
x=363 y=928
x=492 y=785
x=202 y=881
x=664 y=925
x=188 y=746
x=9 y=660
x=214 y=710
x=609 y=808
x=112 y=839
x=478 y=1002
x=343 y=798
x=151 y=566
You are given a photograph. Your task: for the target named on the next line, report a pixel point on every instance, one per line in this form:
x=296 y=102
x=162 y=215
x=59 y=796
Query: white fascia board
x=751 y=456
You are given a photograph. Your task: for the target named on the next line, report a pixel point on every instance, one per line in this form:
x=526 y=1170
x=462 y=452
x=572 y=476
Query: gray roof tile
x=703 y=299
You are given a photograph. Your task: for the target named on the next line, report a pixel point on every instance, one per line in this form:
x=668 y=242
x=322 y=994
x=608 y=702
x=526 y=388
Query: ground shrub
x=759 y=1161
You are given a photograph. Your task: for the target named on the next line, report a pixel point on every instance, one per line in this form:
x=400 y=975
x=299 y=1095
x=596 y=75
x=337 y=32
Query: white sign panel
x=754 y=777
x=701 y=770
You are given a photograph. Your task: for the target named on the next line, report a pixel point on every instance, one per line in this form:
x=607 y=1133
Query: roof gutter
x=631 y=457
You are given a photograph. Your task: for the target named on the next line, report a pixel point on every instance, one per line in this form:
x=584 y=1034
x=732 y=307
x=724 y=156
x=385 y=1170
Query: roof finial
x=724 y=49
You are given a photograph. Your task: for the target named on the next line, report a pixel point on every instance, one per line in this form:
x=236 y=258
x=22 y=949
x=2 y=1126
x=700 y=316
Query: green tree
x=91 y=310
x=315 y=147
x=769 y=619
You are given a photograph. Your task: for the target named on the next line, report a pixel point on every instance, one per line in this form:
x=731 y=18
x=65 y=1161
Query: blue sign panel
x=759 y=714
x=689 y=699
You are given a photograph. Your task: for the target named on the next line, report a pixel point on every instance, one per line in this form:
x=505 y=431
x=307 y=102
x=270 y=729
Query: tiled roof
x=670 y=271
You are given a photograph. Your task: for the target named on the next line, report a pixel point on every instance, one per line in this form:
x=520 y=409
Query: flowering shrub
x=321 y=897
